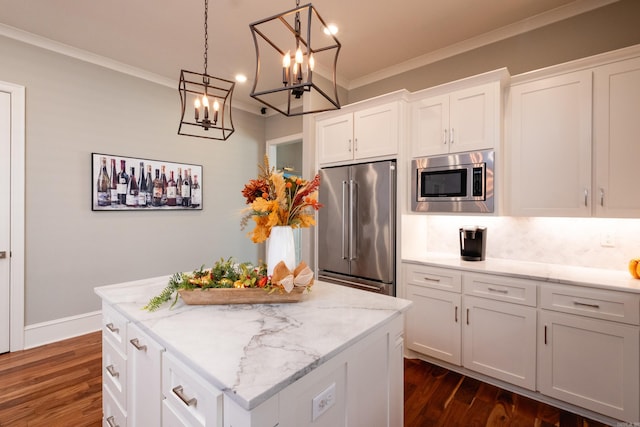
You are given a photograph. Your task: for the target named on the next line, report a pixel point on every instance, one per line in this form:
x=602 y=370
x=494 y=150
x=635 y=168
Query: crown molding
x=555 y=15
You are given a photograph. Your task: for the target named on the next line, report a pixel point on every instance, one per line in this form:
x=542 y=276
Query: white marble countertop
x=571 y=275
x=251 y=352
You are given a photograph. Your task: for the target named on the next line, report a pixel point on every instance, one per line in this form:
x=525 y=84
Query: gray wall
x=601 y=30
x=74 y=108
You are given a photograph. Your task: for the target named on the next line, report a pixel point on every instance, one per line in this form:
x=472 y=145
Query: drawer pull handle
x=545 y=334
x=137 y=345
x=431 y=279
x=178 y=391
x=112 y=421
x=112 y=328
x=584 y=304
x=112 y=371
x=467 y=316
x=456 y=315
x=502 y=291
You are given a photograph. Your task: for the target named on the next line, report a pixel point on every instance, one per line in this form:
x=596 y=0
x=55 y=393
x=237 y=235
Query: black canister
x=473 y=243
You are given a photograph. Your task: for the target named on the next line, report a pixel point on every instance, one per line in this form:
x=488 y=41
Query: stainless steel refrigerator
x=357 y=226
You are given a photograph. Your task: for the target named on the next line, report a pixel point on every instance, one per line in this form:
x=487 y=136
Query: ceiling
x=379 y=38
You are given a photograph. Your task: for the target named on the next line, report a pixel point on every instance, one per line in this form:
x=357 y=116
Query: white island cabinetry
x=333 y=359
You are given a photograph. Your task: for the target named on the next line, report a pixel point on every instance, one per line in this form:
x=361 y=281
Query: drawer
x=500 y=288
x=598 y=303
x=433 y=277
x=114 y=327
x=112 y=413
x=114 y=372
x=189 y=397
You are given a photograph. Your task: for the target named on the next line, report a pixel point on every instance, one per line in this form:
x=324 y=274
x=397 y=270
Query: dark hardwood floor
x=60 y=385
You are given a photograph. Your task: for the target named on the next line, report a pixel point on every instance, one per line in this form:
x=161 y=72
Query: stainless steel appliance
x=357 y=226
x=473 y=243
x=461 y=182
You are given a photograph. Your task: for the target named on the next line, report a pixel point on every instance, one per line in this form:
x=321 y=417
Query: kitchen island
x=335 y=358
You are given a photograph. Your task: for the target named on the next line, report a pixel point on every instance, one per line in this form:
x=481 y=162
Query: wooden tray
x=212 y=296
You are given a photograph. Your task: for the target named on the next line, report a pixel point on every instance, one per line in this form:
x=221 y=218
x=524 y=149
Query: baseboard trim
x=60 y=329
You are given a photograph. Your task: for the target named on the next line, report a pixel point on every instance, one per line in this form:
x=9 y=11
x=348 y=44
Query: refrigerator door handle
x=353 y=210
x=344 y=205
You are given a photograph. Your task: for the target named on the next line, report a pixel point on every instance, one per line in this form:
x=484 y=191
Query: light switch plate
x=323 y=401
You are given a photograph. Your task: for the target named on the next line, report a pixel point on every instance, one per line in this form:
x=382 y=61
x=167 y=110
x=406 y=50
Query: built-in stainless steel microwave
x=461 y=182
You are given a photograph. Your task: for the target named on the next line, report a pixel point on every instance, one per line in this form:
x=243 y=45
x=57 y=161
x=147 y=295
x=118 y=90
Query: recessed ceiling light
x=241 y=78
x=331 y=29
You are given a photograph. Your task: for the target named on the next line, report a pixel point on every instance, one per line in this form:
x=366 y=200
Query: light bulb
x=286 y=59
x=196 y=103
x=299 y=56
x=205 y=101
x=216 y=105
x=312 y=62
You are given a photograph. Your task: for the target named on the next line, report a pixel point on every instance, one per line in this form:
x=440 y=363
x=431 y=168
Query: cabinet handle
x=467 y=316
x=545 y=334
x=349 y=142
x=178 y=391
x=111 y=370
x=585 y=304
x=355 y=144
x=452 y=135
x=432 y=279
x=602 y=197
x=502 y=291
x=456 y=315
x=586 y=196
x=112 y=421
x=444 y=140
x=137 y=345
x=112 y=328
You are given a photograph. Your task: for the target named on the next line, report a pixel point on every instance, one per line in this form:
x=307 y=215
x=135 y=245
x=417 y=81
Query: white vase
x=281 y=247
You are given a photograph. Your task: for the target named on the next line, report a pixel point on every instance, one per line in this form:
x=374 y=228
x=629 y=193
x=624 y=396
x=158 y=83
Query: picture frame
x=114 y=191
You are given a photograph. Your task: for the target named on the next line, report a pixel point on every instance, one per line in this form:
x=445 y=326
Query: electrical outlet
x=607 y=239
x=323 y=401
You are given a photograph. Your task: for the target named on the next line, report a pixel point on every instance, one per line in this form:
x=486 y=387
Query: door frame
x=16 y=215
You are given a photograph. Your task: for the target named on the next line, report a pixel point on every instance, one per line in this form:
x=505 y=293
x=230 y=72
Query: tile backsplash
x=566 y=241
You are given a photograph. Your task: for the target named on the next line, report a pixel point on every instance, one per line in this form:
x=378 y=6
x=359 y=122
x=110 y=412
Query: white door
x=5 y=182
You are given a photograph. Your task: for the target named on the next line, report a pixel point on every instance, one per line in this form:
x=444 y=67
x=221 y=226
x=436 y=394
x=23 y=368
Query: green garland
x=175 y=283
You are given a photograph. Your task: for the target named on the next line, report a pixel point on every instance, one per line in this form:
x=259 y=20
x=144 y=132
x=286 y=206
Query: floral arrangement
x=231 y=274
x=278 y=200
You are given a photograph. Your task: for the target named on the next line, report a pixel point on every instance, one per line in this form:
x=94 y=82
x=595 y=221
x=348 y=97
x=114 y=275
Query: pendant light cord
x=206 y=34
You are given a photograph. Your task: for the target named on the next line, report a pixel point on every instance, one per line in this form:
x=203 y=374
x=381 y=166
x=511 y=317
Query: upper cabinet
x=572 y=148
x=463 y=120
x=364 y=131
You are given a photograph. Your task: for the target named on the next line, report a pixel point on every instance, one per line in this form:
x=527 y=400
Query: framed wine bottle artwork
x=121 y=183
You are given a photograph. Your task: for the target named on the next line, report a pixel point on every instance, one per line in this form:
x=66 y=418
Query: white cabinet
x=144 y=394
x=550 y=146
x=588 y=361
x=114 y=367
x=363 y=134
x=499 y=331
x=616 y=127
x=464 y=120
x=434 y=319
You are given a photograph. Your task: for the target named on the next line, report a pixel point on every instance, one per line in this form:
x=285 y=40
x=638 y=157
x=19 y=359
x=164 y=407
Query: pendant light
x=296 y=57
x=205 y=100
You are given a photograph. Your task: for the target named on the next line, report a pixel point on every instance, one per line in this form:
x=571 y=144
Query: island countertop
x=253 y=351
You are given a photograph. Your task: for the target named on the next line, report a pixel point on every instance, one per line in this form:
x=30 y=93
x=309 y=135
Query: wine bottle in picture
x=186 y=189
x=196 y=193
x=157 y=190
x=142 y=187
x=103 y=185
x=123 y=180
x=132 y=189
x=149 y=180
x=179 y=188
x=171 y=190
x=163 y=178
x=114 y=183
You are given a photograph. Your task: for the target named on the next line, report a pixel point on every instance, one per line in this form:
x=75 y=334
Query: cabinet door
x=550 y=146
x=376 y=131
x=433 y=323
x=335 y=139
x=616 y=128
x=590 y=363
x=144 y=394
x=430 y=126
x=500 y=340
x=474 y=115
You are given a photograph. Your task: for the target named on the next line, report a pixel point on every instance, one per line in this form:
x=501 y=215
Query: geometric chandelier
x=205 y=100
x=296 y=58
